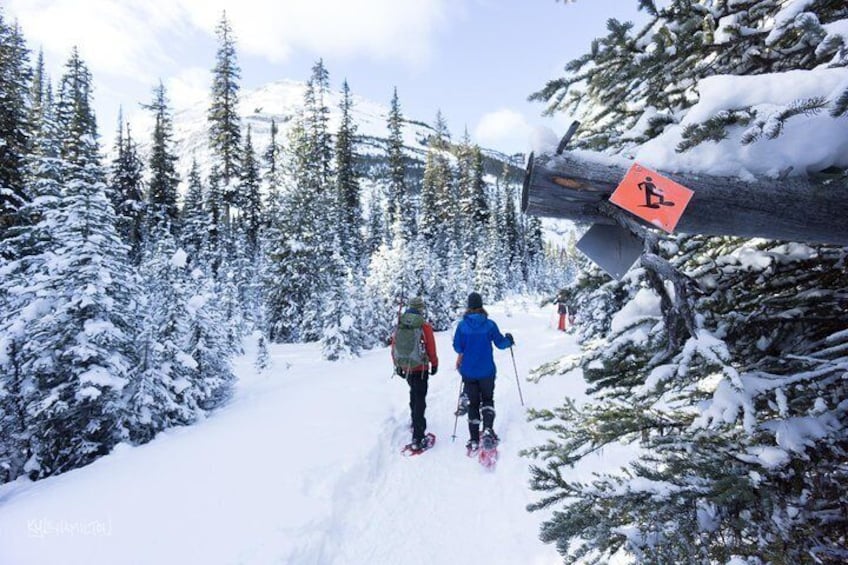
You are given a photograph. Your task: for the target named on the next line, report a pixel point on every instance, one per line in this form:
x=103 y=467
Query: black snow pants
x=481 y=398
x=417 y=381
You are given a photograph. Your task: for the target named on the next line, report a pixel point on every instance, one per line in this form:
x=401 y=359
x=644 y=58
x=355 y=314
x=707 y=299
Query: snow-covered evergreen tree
x=718 y=356
x=342 y=306
x=78 y=353
x=127 y=191
x=438 y=203
x=163 y=178
x=159 y=395
x=249 y=198
x=630 y=85
x=193 y=217
x=223 y=117
x=304 y=237
x=15 y=76
x=40 y=93
x=272 y=162
x=397 y=193
x=390 y=283
x=209 y=348
x=24 y=266
x=215 y=238
x=286 y=279
x=347 y=184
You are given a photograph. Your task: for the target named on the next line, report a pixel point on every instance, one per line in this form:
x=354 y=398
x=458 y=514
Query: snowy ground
x=303 y=467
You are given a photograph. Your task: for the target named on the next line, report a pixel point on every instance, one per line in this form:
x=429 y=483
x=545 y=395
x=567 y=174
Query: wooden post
x=792 y=208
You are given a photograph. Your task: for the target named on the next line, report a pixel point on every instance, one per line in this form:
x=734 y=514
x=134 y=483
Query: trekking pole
x=456 y=413
x=516 y=375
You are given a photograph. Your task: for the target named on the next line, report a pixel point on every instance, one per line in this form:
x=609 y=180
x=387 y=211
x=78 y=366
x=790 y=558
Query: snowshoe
x=472 y=447
x=488 y=454
x=419 y=447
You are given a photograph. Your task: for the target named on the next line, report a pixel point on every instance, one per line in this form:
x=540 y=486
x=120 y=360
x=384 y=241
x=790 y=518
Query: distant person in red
x=562 y=310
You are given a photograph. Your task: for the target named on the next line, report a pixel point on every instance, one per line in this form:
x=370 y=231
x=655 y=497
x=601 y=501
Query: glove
x=399 y=371
x=434 y=369
x=511 y=339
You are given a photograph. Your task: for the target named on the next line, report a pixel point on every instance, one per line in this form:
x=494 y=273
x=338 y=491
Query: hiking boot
x=489 y=439
x=472 y=446
x=421 y=444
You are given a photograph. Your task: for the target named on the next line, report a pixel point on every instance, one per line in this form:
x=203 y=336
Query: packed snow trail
x=303 y=467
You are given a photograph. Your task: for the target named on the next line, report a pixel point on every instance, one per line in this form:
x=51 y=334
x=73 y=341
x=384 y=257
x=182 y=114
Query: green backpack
x=408 y=344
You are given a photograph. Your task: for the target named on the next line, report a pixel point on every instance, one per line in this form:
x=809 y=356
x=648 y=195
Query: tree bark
x=792 y=208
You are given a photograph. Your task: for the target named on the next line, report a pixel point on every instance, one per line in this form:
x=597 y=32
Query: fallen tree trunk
x=791 y=208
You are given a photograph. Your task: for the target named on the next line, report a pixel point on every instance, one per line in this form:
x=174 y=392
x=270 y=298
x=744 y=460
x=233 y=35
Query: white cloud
x=505 y=130
x=401 y=29
x=188 y=87
x=137 y=39
x=112 y=37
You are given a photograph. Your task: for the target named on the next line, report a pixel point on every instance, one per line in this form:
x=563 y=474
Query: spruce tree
x=208 y=348
x=25 y=254
x=716 y=359
x=250 y=198
x=193 y=217
x=342 y=335
x=159 y=394
x=630 y=85
x=490 y=265
x=223 y=117
x=389 y=284
x=316 y=124
x=437 y=208
x=398 y=197
x=302 y=254
x=15 y=76
x=289 y=252
x=347 y=183
x=215 y=237
x=472 y=203
x=79 y=354
x=127 y=191
x=509 y=224
x=164 y=180
x=272 y=165
x=38 y=92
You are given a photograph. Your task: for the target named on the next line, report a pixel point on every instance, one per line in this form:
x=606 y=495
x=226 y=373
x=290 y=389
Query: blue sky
x=475 y=60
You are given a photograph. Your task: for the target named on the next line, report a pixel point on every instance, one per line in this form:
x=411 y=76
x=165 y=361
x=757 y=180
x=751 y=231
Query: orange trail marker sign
x=656 y=199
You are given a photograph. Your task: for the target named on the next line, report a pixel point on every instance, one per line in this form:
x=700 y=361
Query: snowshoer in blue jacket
x=473 y=341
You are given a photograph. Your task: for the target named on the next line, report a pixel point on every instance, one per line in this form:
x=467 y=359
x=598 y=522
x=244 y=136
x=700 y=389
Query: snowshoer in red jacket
x=414 y=356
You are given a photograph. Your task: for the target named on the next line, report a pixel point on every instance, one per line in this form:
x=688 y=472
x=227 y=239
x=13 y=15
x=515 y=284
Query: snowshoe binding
x=418 y=447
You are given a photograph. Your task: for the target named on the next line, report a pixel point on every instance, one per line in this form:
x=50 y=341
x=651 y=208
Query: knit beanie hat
x=475 y=301
x=417 y=303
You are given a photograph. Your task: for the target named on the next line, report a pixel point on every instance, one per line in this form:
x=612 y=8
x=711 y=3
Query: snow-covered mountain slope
x=280 y=101
x=303 y=467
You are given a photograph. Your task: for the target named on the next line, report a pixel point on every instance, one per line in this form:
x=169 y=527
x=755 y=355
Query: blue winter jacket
x=473 y=339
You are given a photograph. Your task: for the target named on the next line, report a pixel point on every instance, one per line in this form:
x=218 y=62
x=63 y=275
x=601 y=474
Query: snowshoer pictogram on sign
x=651 y=196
